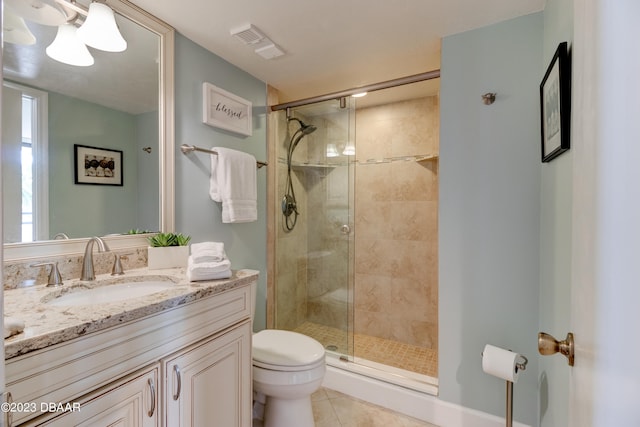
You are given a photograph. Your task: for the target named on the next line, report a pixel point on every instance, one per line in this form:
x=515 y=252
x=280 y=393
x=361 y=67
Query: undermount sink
x=110 y=293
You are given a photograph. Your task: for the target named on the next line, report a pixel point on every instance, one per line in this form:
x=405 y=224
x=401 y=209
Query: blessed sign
x=225 y=110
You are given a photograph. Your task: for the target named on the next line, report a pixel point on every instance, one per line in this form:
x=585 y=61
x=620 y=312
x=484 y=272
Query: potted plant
x=168 y=250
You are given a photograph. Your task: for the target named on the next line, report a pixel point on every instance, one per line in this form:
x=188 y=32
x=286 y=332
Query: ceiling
x=333 y=45
x=329 y=45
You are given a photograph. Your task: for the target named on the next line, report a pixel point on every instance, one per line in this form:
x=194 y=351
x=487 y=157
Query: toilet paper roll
x=500 y=363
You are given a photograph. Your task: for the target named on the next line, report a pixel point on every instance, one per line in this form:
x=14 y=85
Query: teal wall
x=490 y=211
x=148 y=172
x=86 y=210
x=196 y=214
x=556 y=199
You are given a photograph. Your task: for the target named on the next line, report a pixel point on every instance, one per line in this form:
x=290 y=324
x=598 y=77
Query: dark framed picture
x=555 y=105
x=97 y=166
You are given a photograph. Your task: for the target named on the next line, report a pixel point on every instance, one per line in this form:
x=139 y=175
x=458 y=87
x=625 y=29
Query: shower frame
x=342 y=361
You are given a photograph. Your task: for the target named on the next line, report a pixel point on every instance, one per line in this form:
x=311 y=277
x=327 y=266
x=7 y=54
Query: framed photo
x=97 y=166
x=225 y=110
x=555 y=105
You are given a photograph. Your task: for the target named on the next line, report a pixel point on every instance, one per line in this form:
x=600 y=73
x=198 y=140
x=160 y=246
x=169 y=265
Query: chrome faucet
x=87 y=262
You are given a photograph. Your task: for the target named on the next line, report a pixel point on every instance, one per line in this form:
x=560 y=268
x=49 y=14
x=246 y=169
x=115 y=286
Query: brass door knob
x=548 y=345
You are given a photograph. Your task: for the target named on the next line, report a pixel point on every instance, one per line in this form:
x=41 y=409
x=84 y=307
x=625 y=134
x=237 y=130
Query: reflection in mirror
x=121 y=103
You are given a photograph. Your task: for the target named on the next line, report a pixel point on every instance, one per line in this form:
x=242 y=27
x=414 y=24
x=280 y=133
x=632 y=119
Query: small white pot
x=167 y=257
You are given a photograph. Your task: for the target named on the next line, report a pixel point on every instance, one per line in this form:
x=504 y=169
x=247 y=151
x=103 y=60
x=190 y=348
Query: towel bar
x=186 y=149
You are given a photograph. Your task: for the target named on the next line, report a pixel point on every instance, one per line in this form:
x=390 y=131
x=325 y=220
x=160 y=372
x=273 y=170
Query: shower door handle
x=345 y=229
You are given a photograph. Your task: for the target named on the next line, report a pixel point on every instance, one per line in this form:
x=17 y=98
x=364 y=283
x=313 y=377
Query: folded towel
x=208 y=270
x=207 y=252
x=233 y=182
x=194 y=276
x=12 y=326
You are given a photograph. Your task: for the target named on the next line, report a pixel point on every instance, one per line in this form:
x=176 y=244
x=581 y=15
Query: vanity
x=155 y=351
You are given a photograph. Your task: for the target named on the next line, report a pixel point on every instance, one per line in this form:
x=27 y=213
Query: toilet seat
x=286 y=351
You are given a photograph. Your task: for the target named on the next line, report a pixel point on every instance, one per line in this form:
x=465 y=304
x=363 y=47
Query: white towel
x=233 y=182
x=12 y=326
x=207 y=252
x=193 y=276
x=208 y=270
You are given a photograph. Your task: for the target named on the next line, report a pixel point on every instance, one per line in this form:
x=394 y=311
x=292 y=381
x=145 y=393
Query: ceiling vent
x=262 y=45
x=248 y=34
x=269 y=51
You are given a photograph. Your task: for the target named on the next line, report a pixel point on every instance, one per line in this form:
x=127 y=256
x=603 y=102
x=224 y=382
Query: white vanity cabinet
x=209 y=384
x=132 y=402
x=119 y=373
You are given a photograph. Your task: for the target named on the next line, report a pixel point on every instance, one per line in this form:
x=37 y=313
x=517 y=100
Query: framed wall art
x=225 y=110
x=97 y=166
x=555 y=105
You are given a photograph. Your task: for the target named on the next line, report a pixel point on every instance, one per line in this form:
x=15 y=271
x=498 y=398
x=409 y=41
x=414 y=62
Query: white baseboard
x=415 y=404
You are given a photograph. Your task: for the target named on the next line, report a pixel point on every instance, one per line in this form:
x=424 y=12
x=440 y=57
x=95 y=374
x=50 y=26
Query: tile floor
x=404 y=356
x=334 y=409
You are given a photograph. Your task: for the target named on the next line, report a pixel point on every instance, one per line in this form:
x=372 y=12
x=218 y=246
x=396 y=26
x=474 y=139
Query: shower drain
x=332 y=347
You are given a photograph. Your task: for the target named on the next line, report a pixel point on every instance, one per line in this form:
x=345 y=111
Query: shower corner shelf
x=427 y=158
x=303 y=166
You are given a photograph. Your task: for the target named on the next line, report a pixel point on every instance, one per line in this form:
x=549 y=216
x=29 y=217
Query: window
x=30 y=149
x=26 y=157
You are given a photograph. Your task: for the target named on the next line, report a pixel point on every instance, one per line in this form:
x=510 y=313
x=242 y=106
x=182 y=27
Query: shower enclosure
x=355 y=230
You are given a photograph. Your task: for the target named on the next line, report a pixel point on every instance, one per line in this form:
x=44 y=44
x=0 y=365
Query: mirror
x=123 y=103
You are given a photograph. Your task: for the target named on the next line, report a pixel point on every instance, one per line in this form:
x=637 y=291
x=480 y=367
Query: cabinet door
x=131 y=402
x=209 y=384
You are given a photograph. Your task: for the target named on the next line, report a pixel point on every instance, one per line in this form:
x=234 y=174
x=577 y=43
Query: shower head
x=307 y=129
x=304 y=128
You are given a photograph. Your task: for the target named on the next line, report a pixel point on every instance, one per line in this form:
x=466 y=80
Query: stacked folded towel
x=208 y=252
x=208 y=261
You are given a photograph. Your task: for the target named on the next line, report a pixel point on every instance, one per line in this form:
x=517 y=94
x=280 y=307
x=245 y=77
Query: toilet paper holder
x=522 y=364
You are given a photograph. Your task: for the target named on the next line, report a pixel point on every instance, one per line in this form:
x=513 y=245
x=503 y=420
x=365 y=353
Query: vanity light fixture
x=99 y=29
x=359 y=95
x=14 y=30
x=68 y=48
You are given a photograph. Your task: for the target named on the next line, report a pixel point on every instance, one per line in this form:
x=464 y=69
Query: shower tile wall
x=396 y=206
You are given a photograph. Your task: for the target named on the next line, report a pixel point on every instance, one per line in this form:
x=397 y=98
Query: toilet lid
x=285 y=348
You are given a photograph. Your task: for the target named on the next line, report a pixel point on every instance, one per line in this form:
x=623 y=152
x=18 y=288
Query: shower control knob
x=345 y=229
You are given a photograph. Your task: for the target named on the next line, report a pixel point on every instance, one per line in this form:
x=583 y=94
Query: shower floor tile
x=413 y=358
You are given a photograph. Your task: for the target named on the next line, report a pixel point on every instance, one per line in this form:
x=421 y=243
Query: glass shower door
x=314 y=257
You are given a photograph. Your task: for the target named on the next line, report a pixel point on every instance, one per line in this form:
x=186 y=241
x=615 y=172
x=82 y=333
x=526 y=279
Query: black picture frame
x=97 y=166
x=555 y=105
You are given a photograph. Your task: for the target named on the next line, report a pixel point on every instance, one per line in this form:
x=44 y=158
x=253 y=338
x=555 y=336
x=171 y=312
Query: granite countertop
x=47 y=324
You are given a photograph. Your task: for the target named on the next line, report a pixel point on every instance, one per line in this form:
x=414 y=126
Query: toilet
x=287 y=368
